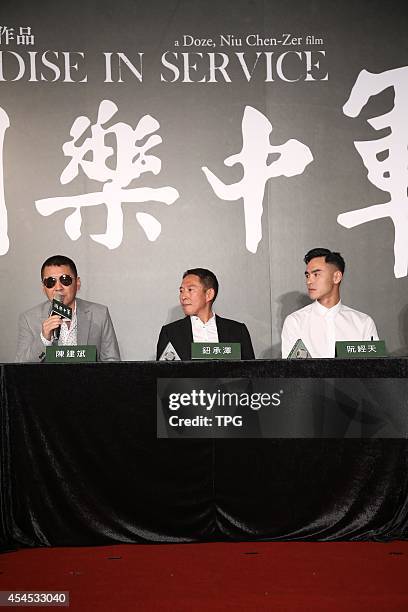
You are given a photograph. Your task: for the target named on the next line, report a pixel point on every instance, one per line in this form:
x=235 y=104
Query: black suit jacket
x=180 y=334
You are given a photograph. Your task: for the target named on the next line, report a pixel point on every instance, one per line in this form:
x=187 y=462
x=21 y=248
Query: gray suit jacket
x=94 y=327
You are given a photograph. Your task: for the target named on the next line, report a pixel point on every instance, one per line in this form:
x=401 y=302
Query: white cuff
x=45 y=341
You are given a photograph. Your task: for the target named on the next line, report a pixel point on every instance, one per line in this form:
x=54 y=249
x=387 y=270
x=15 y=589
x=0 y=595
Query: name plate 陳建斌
x=215 y=350
x=70 y=354
x=360 y=349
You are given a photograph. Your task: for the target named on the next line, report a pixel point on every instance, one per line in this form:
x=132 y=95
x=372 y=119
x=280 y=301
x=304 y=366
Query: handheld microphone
x=58 y=297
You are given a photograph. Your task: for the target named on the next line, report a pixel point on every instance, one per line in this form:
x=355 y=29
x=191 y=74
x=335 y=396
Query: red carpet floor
x=284 y=576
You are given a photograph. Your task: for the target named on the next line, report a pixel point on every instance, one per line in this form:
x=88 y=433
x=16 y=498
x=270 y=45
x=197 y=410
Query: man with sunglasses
x=91 y=323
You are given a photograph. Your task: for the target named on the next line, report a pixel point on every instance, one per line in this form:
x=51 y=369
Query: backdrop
x=143 y=138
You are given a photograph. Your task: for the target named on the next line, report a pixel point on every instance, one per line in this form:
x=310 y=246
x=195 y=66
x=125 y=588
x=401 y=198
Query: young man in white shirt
x=320 y=324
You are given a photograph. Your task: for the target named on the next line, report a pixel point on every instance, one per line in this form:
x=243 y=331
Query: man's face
x=68 y=293
x=322 y=279
x=195 y=299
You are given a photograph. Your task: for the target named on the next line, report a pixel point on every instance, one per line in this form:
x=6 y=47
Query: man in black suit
x=198 y=291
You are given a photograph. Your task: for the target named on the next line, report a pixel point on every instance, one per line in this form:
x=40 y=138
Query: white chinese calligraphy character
x=386 y=159
x=132 y=160
x=24 y=37
x=256 y=148
x=6 y=35
x=4 y=240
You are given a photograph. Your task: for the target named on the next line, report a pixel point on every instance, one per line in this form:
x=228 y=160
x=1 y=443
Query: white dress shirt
x=319 y=328
x=204 y=332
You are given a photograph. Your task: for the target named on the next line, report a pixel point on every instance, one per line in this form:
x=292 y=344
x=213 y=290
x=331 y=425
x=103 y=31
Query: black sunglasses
x=51 y=281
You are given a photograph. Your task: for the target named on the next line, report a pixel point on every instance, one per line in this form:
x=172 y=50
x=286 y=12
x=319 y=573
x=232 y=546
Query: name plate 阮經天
x=360 y=349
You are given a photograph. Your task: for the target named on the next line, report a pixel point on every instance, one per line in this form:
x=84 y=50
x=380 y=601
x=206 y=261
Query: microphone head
x=57 y=297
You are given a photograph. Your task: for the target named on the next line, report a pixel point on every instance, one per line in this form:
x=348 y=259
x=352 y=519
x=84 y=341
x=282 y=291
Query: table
x=81 y=463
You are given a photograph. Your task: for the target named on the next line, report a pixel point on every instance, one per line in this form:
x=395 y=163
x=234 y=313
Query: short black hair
x=59 y=260
x=208 y=278
x=331 y=257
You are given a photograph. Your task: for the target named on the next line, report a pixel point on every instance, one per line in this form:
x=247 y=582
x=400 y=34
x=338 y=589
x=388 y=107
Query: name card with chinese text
x=215 y=350
x=70 y=354
x=360 y=349
x=65 y=312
